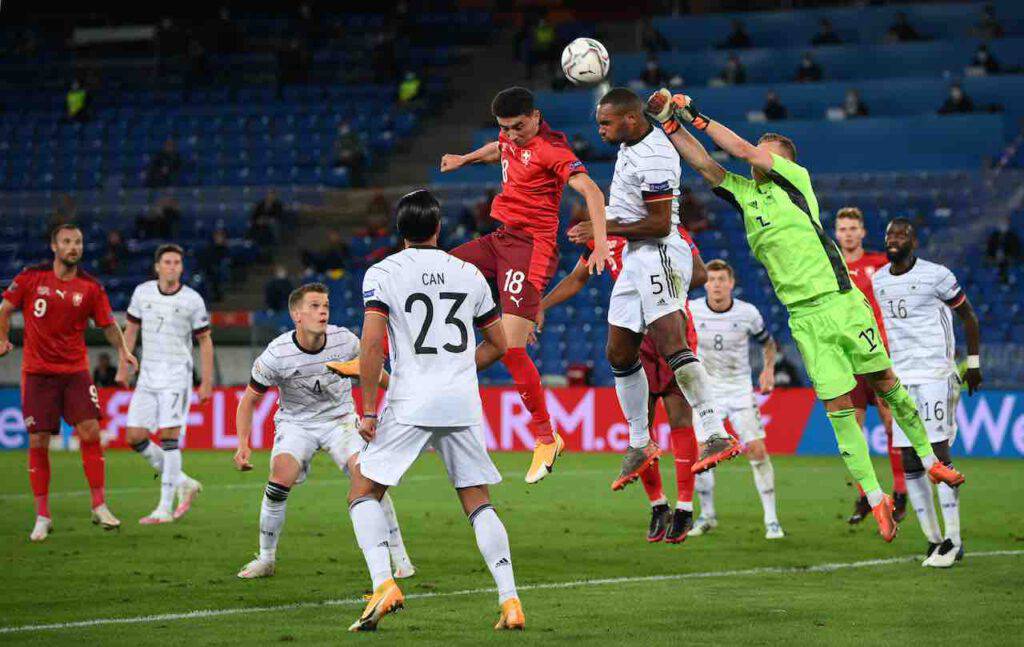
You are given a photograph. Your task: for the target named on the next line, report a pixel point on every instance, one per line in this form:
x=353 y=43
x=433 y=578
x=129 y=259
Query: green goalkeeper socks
x=854 y=448
x=905 y=412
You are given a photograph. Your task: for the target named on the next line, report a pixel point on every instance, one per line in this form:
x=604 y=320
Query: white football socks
x=919 y=489
x=152 y=452
x=492 y=540
x=272 y=510
x=371 y=528
x=171 y=474
x=704 y=486
x=695 y=384
x=764 y=480
x=949 y=499
x=395 y=544
x=632 y=389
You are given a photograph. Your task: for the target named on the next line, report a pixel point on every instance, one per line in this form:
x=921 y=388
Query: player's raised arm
x=965 y=311
x=489 y=153
x=594 y=197
x=6 y=309
x=662 y=106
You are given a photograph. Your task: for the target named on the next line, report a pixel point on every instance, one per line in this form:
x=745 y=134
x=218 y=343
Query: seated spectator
x=409 y=89
x=277 y=289
x=809 y=71
x=1003 y=249
x=581 y=146
x=349 y=152
x=983 y=59
x=652 y=75
x=988 y=26
x=901 y=30
x=957 y=102
x=333 y=257
x=104 y=373
x=77 y=100
x=734 y=73
x=738 y=38
x=164 y=167
x=266 y=219
x=215 y=263
x=652 y=40
x=113 y=258
x=853 y=106
x=773 y=109
x=826 y=34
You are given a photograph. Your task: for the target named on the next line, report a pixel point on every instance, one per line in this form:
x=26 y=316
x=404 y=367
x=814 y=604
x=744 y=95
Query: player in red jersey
x=863 y=264
x=58 y=299
x=665 y=525
x=521 y=256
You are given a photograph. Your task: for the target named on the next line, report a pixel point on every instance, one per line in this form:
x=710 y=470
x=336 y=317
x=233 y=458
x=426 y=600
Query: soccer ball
x=585 y=61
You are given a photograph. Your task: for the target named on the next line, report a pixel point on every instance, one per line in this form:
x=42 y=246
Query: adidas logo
x=383 y=544
x=845 y=454
x=504 y=561
x=662 y=302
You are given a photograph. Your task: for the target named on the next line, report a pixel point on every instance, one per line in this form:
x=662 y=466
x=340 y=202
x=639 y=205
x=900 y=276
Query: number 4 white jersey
x=916 y=309
x=168 y=322
x=432 y=301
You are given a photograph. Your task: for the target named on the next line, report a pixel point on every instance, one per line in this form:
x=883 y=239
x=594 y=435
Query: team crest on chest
x=76 y=299
x=525 y=156
x=42 y=290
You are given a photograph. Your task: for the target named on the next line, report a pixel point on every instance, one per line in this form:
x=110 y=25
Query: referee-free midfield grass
x=579 y=553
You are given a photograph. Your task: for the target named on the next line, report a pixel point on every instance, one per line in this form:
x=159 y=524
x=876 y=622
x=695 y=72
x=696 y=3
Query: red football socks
x=899 y=477
x=527 y=380
x=651 y=478
x=95 y=470
x=684 y=446
x=39 y=478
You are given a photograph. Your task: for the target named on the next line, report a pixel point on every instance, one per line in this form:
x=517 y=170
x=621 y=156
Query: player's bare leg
x=93 y=463
x=371 y=529
x=284 y=471
x=549 y=445
x=716 y=445
x=904 y=411
x=854 y=450
x=633 y=391
x=764 y=480
x=39 y=478
x=186 y=489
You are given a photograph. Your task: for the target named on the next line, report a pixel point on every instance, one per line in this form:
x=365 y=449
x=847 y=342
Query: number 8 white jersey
x=432 y=301
x=915 y=307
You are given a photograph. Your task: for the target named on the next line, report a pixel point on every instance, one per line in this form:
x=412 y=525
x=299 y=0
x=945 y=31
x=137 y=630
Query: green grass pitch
x=585 y=571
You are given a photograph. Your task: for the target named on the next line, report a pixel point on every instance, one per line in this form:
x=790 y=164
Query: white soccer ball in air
x=585 y=61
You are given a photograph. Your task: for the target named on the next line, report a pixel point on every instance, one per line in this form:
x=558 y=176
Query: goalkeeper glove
x=671 y=111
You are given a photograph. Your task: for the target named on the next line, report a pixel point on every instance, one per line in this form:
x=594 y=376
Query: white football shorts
x=339 y=439
x=394 y=449
x=162 y=409
x=654 y=281
x=936 y=403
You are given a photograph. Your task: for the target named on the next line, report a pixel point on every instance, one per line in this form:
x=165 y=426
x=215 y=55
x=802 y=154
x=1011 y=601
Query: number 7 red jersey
x=533 y=178
x=56 y=314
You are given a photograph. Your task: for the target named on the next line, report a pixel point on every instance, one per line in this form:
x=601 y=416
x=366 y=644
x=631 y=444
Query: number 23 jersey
x=916 y=309
x=432 y=301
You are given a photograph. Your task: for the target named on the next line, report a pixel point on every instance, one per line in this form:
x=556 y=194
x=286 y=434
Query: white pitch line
x=764 y=570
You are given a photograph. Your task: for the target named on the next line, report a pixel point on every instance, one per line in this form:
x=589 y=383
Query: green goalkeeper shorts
x=838 y=338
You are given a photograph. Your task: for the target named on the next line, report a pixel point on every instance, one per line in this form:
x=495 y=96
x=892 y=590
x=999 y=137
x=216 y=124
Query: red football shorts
x=520 y=265
x=46 y=398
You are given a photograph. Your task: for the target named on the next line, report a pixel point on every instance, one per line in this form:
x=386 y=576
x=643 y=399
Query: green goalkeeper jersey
x=781 y=220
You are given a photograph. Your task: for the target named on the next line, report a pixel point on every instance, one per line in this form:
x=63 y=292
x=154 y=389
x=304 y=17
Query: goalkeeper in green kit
x=831 y=321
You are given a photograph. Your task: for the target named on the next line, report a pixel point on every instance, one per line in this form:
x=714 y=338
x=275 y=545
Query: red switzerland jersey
x=532 y=179
x=861 y=271
x=56 y=314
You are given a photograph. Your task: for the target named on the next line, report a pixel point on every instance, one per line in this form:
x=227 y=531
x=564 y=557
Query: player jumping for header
x=522 y=256
x=831 y=321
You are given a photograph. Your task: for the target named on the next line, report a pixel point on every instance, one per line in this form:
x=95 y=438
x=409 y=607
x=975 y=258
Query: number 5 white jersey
x=432 y=301
x=916 y=309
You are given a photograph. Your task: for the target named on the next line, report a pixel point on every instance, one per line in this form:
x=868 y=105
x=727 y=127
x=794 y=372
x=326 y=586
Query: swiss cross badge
x=76 y=299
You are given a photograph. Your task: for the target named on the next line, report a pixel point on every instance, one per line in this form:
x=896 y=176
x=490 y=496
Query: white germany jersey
x=723 y=341
x=307 y=391
x=432 y=301
x=918 y=322
x=645 y=171
x=169 y=323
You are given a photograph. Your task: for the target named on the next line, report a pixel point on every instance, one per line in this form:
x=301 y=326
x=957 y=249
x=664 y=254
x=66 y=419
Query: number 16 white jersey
x=432 y=301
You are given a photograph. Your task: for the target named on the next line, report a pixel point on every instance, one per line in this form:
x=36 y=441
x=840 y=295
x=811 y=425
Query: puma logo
x=517 y=300
x=60 y=293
